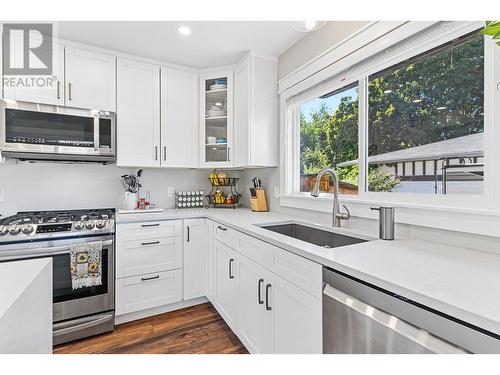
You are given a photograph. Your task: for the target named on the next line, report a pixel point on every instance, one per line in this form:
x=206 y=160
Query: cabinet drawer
x=148 y=230
x=302 y=272
x=227 y=236
x=147 y=291
x=299 y=271
x=138 y=257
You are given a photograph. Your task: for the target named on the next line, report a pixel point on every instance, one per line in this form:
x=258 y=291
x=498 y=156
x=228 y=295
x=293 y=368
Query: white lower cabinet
x=195 y=259
x=268 y=313
x=269 y=297
x=297 y=318
x=147 y=291
x=226 y=283
x=149 y=262
x=255 y=323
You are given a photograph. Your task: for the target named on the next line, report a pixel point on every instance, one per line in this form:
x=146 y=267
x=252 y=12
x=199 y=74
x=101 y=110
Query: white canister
x=130 y=200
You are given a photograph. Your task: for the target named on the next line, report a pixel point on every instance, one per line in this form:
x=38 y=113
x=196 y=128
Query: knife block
x=258 y=202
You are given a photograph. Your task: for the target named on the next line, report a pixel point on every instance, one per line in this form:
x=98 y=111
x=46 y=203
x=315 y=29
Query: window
x=425 y=122
x=420 y=119
x=328 y=137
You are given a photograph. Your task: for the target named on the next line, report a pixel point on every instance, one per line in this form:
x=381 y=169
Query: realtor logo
x=27 y=49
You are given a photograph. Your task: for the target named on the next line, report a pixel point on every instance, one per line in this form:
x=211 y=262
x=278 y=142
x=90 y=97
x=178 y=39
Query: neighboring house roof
x=467 y=146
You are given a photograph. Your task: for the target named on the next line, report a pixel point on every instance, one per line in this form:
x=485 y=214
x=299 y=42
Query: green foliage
x=492 y=28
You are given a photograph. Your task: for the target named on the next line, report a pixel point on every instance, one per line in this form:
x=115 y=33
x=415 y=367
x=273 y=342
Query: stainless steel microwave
x=32 y=131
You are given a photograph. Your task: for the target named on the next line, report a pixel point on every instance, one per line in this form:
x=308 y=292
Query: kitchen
x=327 y=190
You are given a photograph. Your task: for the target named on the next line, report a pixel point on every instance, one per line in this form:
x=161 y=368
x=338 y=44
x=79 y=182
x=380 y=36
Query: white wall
x=315 y=43
x=43 y=186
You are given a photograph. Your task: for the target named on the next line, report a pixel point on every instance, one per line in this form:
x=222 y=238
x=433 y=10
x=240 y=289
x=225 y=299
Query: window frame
x=414 y=45
x=331 y=86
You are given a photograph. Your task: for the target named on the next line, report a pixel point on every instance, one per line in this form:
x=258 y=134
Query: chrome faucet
x=337 y=215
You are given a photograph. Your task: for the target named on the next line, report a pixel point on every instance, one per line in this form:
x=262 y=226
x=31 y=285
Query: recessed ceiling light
x=307 y=26
x=440 y=108
x=184 y=30
x=387 y=91
x=417 y=100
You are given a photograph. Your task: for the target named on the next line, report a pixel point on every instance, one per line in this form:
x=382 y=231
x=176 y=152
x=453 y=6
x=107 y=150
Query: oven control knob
x=27 y=229
x=89 y=225
x=14 y=229
x=100 y=224
x=79 y=225
x=3 y=230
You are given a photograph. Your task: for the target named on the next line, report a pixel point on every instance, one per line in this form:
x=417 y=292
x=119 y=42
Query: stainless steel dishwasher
x=362 y=318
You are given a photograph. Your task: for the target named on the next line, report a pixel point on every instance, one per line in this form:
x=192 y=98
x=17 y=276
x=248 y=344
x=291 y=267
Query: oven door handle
x=49 y=251
x=84 y=325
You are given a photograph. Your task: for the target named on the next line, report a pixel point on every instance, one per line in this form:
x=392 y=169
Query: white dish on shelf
x=211 y=139
x=217 y=87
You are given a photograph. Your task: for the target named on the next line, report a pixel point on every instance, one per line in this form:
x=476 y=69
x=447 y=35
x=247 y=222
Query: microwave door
x=31 y=131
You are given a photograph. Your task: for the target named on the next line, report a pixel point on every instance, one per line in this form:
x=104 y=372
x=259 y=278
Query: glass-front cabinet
x=216 y=119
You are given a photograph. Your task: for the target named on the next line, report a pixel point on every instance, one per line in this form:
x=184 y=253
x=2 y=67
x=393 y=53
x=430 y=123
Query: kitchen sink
x=314 y=236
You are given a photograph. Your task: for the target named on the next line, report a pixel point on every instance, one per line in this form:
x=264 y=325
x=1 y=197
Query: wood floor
x=197 y=330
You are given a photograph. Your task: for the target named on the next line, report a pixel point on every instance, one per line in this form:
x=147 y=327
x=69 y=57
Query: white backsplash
x=48 y=186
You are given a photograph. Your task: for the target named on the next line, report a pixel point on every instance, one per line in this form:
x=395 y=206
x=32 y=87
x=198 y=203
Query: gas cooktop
x=34 y=225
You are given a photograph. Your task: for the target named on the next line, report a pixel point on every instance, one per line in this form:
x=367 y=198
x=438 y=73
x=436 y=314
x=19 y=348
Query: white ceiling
x=211 y=43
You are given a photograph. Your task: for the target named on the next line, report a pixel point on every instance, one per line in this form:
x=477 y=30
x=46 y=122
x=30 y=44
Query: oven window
x=62 y=279
x=40 y=128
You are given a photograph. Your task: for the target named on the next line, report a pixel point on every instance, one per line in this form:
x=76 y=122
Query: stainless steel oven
x=76 y=313
x=38 y=131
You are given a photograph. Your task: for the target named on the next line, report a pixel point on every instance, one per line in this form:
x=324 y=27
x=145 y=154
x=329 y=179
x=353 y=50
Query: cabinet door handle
x=58 y=89
x=164 y=153
x=268 y=286
x=228 y=148
x=258 y=293
x=150 y=278
x=150 y=243
x=156 y=152
x=150 y=225
x=69 y=91
x=188 y=233
x=221 y=228
x=231 y=276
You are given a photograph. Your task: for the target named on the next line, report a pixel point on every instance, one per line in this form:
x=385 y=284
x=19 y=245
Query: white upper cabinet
x=53 y=93
x=90 y=79
x=138 y=114
x=255 y=124
x=216 y=120
x=179 y=118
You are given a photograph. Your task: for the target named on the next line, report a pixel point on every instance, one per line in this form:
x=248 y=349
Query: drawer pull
x=150 y=243
x=150 y=278
x=221 y=228
x=268 y=286
x=150 y=225
x=261 y=302
x=231 y=276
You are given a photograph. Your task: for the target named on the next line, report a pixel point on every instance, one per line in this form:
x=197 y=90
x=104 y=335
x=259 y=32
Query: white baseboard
x=120 y=319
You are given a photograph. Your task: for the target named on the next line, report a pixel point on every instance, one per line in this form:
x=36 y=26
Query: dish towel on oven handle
x=86 y=264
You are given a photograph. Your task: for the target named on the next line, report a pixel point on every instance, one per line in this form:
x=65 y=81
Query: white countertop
x=460 y=282
x=26 y=306
x=16 y=277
